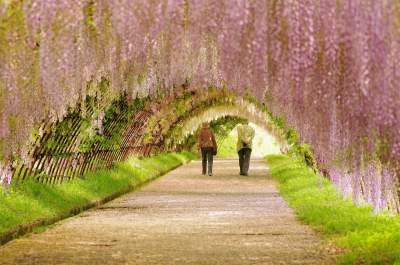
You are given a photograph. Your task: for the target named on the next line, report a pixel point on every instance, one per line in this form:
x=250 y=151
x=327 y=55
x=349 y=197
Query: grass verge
x=367 y=238
x=33 y=204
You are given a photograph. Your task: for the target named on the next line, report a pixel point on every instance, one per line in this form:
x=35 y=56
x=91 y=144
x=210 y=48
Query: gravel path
x=181 y=218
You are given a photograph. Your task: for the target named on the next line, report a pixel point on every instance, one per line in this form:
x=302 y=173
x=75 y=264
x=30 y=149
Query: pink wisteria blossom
x=331 y=69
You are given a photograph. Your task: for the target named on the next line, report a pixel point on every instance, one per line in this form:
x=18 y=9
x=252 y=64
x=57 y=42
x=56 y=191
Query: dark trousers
x=207 y=158
x=244 y=160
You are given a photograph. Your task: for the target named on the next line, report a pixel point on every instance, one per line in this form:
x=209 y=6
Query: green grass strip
x=34 y=201
x=367 y=238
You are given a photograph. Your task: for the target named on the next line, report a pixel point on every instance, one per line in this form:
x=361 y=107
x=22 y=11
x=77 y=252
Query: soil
x=182 y=218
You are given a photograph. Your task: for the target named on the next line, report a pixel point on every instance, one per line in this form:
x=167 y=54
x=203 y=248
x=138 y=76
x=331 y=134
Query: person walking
x=244 y=146
x=208 y=147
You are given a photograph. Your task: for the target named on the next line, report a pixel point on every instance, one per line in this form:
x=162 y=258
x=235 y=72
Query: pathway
x=181 y=218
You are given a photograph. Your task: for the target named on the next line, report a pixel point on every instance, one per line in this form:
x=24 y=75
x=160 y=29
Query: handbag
x=214 y=152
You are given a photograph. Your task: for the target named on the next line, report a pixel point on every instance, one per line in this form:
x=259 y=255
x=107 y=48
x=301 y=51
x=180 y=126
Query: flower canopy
x=329 y=68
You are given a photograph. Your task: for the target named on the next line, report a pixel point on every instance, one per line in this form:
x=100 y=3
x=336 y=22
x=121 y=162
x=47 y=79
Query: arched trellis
x=240 y=108
x=144 y=127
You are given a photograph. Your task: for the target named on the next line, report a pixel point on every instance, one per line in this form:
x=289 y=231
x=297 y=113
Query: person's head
x=205 y=125
x=245 y=122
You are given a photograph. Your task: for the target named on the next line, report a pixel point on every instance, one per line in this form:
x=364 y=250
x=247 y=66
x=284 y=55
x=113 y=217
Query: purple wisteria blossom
x=331 y=69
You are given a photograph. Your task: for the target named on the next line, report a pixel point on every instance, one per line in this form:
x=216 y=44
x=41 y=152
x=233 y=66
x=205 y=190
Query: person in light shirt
x=244 y=146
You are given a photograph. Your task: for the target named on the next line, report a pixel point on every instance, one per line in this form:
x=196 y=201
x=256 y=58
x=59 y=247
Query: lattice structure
x=56 y=155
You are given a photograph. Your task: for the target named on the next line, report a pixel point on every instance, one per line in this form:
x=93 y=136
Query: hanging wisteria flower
x=329 y=68
x=5 y=175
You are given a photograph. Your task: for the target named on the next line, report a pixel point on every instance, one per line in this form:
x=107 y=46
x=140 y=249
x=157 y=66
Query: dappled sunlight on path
x=181 y=218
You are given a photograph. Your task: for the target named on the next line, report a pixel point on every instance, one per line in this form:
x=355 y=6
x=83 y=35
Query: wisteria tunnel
x=141 y=127
x=85 y=84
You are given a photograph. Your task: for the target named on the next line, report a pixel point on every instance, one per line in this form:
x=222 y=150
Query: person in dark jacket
x=208 y=147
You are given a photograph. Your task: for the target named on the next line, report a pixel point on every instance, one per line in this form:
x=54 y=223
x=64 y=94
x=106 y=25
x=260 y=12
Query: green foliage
x=366 y=238
x=1 y=148
x=301 y=151
x=180 y=107
x=224 y=125
x=78 y=122
x=89 y=11
x=32 y=201
x=292 y=136
x=304 y=153
x=279 y=122
x=116 y=117
x=227 y=147
x=13 y=122
x=151 y=124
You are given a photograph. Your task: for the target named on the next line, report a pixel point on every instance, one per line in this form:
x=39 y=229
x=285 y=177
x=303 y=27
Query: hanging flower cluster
x=330 y=68
x=5 y=175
